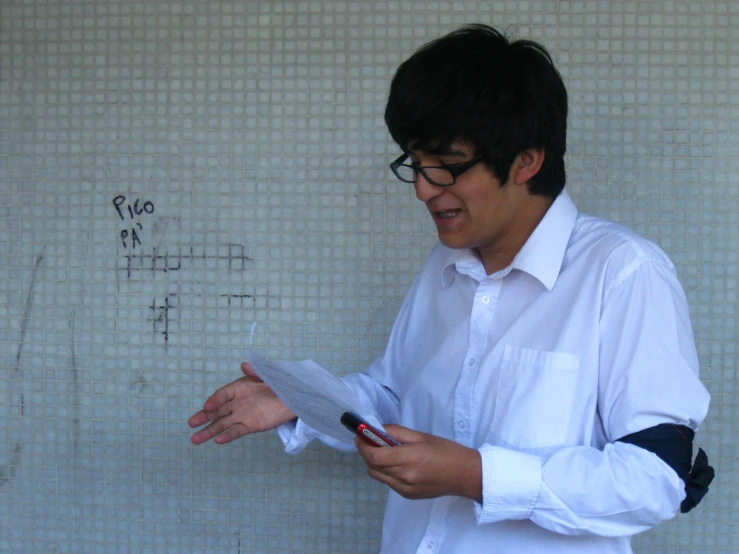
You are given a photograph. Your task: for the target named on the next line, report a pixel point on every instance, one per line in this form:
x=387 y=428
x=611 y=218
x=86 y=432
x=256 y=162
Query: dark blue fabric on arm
x=673 y=444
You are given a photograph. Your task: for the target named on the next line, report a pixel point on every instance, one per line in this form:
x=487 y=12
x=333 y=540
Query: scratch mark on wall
x=139 y=384
x=27 y=308
x=75 y=387
x=8 y=471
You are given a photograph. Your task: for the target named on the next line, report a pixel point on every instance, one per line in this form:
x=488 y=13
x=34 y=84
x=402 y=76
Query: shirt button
x=461 y=425
x=485 y=299
x=472 y=361
x=430 y=545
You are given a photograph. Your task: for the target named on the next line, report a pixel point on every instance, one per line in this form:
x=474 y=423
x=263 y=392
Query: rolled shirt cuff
x=295 y=435
x=511 y=482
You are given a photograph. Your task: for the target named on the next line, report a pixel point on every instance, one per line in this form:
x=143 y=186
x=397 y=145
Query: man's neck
x=495 y=259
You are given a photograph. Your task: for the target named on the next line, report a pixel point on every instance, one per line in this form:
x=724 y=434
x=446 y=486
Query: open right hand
x=244 y=406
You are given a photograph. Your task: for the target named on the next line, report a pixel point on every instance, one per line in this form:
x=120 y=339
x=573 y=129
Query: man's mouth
x=446 y=214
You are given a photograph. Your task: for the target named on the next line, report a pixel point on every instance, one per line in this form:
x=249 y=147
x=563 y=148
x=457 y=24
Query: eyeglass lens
x=436 y=175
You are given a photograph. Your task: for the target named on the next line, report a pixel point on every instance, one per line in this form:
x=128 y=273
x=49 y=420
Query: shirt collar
x=541 y=255
x=464 y=261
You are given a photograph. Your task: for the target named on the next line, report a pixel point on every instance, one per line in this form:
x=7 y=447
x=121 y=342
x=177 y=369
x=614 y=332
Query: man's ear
x=526 y=165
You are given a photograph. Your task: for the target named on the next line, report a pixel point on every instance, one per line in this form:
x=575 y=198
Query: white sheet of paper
x=313 y=394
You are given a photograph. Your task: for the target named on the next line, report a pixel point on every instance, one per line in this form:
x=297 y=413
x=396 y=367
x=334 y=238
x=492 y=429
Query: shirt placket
x=434 y=535
x=483 y=311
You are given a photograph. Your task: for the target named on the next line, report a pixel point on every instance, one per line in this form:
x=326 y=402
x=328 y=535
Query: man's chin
x=455 y=242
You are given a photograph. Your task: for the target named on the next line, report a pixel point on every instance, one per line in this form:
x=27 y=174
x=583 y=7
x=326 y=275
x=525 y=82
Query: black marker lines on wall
x=152 y=262
x=234 y=260
x=241 y=298
x=7 y=472
x=237 y=258
x=145 y=240
x=164 y=313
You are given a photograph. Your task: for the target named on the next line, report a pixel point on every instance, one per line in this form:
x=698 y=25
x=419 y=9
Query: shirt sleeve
x=648 y=375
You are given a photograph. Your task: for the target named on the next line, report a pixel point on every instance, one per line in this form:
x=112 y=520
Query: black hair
x=477 y=86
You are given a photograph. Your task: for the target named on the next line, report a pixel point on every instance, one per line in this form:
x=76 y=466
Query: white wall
x=255 y=131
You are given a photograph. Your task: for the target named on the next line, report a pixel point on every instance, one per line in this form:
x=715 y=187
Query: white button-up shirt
x=541 y=367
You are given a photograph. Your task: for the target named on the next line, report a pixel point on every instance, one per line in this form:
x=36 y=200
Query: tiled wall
x=247 y=139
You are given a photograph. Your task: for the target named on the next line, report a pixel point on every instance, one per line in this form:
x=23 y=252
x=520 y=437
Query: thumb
x=247 y=370
x=404 y=435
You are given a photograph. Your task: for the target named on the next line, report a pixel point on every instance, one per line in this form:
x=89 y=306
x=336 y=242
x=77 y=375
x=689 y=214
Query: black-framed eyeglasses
x=443 y=176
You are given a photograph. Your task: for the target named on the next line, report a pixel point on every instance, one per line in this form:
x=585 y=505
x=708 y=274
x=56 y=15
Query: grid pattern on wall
x=171 y=171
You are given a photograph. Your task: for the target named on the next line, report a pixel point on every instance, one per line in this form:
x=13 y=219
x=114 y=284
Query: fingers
x=247 y=370
x=231 y=434
x=380 y=456
x=204 y=416
x=229 y=410
x=404 y=435
x=198 y=419
x=215 y=428
x=388 y=465
x=385 y=457
x=215 y=409
x=427 y=468
x=227 y=393
x=200 y=437
x=221 y=397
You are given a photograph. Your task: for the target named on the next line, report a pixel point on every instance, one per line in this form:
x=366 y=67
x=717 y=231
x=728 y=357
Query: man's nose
x=425 y=190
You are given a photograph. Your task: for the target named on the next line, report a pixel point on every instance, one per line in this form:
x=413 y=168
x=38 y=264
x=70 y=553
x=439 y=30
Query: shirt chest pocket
x=534 y=398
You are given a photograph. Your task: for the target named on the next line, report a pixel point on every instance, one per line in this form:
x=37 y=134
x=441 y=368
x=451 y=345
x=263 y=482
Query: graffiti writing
x=128 y=211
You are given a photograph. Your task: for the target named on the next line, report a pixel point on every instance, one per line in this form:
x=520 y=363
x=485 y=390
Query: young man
x=542 y=370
